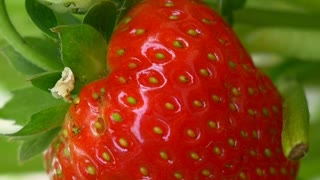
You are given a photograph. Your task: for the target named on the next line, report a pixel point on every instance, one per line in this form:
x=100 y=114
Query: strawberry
x=183 y=100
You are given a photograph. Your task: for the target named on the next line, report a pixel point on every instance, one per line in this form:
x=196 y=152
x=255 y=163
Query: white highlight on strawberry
x=64 y=86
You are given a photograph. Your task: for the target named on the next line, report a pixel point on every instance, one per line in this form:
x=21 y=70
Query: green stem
x=295 y=119
x=272 y=18
x=12 y=36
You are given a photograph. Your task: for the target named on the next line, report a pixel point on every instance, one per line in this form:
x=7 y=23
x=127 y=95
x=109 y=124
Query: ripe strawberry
x=183 y=101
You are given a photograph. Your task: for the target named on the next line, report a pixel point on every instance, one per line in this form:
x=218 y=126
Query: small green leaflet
x=36 y=144
x=103 y=18
x=43 y=121
x=42 y=16
x=84 y=52
x=25 y=102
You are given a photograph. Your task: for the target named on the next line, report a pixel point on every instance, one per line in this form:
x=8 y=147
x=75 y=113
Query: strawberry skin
x=183 y=100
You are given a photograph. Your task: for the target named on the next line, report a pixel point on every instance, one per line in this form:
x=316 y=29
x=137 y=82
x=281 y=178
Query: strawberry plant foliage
x=179 y=94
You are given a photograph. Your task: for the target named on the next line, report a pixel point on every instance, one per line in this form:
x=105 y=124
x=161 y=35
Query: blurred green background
x=281 y=44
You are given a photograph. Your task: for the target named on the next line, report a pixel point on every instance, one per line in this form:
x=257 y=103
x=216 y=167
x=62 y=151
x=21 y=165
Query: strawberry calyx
x=295 y=143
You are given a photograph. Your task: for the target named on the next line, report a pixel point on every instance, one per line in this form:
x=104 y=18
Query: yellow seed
x=204 y=72
x=215 y=98
x=212 y=57
x=206 y=21
x=192 y=32
x=197 y=103
x=153 y=80
x=131 y=100
x=251 y=91
x=191 y=133
x=121 y=52
x=183 y=79
x=231 y=142
x=235 y=91
x=95 y=95
x=194 y=156
x=117 y=117
x=178 y=175
x=265 y=111
x=122 y=80
x=272 y=170
x=169 y=4
x=127 y=20
x=173 y=17
x=169 y=106
x=253 y=153
x=140 y=31
x=177 y=44
x=217 y=150
x=206 y=172
x=132 y=65
x=267 y=152
x=164 y=155
x=157 y=130
x=255 y=134
x=76 y=100
x=91 y=170
x=106 y=156
x=232 y=64
x=251 y=112
x=259 y=172
x=160 y=56
x=144 y=171
x=233 y=107
x=212 y=124
x=283 y=171
x=244 y=134
x=242 y=175
x=123 y=142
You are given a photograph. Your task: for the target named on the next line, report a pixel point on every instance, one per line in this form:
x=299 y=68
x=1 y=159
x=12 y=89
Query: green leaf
x=103 y=18
x=295 y=133
x=45 y=81
x=36 y=145
x=25 y=102
x=84 y=52
x=19 y=62
x=43 y=121
x=42 y=16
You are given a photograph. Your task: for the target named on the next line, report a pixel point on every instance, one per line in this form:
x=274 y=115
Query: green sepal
x=45 y=81
x=295 y=130
x=43 y=121
x=103 y=18
x=84 y=52
x=35 y=145
x=42 y=16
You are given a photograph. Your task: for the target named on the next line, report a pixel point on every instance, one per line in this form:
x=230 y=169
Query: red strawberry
x=183 y=101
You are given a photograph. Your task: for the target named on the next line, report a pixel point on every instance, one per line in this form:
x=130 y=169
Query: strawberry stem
x=295 y=119
x=18 y=43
